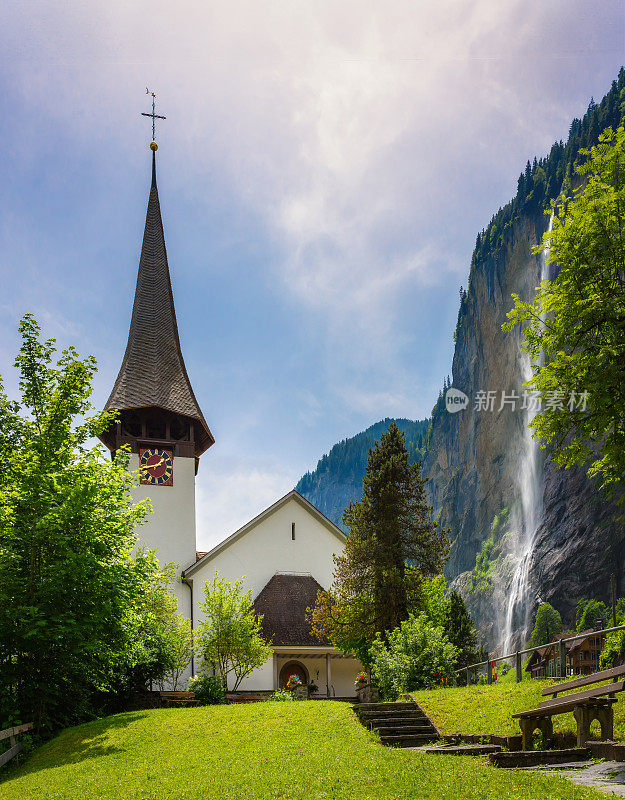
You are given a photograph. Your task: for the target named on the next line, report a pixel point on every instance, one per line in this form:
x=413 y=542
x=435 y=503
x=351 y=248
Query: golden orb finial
x=153 y=146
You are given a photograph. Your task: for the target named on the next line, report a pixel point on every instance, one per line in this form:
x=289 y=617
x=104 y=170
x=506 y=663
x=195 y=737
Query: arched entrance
x=293 y=668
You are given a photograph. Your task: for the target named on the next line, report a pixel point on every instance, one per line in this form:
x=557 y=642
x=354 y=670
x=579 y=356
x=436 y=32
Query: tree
x=161 y=640
x=547 y=625
x=416 y=655
x=393 y=544
x=576 y=322
x=181 y=650
x=613 y=650
x=590 y=614
x=229 y=637
x=69 y=585
x=458 y=627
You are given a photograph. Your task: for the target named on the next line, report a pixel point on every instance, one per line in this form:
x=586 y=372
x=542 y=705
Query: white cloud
x=231 y=492
x=369 y=141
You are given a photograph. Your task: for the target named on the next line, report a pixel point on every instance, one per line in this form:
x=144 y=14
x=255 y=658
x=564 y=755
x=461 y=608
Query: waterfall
x=529 y=516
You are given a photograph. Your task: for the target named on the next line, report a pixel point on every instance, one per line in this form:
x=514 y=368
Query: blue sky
x=323 y=171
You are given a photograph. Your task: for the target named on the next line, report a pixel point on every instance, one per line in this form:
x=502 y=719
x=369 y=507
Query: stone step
x=411 y=740
x=405 y=730
x=376 y=722
x=465 y=750
x=532 y=758
x=402 y=722
x=383 y=706
x=395 y=713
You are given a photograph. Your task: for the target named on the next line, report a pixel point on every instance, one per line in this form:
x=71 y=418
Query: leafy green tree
x=431 y=600
x=181 y=649
x=229 y=637
x=458 y=627
x=591 y=614
x=416 y=655
x=393 y=545
x=613 y=651
x=161 y=639
x=547 y=625
x=69 y=585
x=576 y=321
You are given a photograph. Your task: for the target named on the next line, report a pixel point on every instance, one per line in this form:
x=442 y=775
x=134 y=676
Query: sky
x=323 y=171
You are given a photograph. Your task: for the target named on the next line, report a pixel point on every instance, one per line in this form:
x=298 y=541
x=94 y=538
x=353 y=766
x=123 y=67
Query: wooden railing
x=15 y=747
x=517 y=656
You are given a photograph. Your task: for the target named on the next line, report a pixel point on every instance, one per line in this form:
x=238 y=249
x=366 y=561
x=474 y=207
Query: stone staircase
x=399 y=724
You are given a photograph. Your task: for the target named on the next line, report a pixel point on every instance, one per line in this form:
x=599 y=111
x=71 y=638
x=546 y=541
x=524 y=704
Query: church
x=285 y=554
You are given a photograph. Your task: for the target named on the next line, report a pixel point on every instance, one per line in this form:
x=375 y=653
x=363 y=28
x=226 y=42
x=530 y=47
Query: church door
x=292 y=668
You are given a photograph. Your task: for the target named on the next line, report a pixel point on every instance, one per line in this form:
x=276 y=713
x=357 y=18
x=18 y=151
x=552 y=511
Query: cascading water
x=531 y=506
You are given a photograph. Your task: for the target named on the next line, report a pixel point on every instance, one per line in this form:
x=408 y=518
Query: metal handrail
x=539 y=647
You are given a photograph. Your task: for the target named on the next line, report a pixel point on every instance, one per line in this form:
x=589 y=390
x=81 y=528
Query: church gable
x=291 y=536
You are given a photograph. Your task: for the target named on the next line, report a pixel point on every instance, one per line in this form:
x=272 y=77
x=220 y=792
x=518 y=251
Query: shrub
x=418 y=656
x=207 y=689
x=613 y=650
x=282 y=695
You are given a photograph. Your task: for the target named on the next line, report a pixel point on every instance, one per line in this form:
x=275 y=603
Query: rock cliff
x=476 y=462
x=523 y=530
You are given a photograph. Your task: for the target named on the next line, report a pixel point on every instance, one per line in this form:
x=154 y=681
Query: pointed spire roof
x=153 y=373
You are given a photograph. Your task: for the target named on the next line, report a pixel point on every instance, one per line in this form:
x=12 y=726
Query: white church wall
x=315 y=666
x=260 y=680
x=343 y=675
x=268 y=548
x=170 y=528
x=257 y=555
x=343 y=672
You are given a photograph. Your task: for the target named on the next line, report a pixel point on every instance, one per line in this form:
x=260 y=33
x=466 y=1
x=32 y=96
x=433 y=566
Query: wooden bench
x=178 y=699
x=14 y=747
x=593 y=704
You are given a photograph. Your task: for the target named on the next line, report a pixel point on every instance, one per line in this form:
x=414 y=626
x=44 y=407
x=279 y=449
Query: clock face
x=157 y=466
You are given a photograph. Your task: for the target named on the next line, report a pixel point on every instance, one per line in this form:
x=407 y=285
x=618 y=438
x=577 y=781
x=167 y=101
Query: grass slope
x=308 y=750
x=489 y=709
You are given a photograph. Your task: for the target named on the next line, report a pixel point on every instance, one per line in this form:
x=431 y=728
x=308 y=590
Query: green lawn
x=489 y=709
x=308 y=750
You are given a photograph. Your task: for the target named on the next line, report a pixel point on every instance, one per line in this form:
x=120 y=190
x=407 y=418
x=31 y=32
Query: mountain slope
x=523 y=530
x=337 y=479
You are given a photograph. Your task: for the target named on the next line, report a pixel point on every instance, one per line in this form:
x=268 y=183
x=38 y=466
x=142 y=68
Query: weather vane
x=153 y=114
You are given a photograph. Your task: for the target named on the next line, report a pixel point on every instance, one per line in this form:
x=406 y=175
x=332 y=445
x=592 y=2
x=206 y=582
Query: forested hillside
x=338 y=477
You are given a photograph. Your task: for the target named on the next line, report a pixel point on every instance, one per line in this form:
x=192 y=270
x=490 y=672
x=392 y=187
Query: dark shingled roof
x=153 y=371
x=283 y=602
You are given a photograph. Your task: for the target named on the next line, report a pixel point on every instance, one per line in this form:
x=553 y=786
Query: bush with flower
x=293 y=682
x=362 y=679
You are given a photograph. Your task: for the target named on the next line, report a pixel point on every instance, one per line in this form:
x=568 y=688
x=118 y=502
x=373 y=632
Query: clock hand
x=155 y=465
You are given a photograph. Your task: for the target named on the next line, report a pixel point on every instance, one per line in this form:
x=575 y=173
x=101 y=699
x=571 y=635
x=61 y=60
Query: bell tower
x=159 y=416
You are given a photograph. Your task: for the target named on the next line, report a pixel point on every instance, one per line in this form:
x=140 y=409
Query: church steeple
x=153 y=391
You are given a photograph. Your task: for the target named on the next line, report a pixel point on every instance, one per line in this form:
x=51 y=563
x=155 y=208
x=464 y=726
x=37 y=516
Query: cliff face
x=479 y=465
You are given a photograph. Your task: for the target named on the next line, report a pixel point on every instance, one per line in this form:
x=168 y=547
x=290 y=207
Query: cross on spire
x=153 y=114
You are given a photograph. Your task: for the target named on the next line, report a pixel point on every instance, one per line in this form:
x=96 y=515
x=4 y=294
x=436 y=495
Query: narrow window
x=293 y=531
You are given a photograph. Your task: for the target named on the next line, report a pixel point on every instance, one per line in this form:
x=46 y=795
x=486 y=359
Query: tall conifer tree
x=393 y=543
